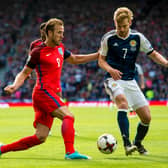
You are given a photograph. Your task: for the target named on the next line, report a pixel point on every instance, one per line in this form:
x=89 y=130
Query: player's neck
x=123 y=37
x=50 y=43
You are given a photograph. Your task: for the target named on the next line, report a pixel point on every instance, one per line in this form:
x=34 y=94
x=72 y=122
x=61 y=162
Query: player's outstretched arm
x=82 y=58
x=115 y=74
x=19 y=80
x=158 y=58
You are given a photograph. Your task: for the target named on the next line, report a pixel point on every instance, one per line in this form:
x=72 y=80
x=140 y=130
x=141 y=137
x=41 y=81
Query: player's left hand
x=9 y=89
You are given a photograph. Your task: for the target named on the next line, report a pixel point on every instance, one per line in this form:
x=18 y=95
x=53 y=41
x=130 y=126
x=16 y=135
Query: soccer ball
x=107 y=143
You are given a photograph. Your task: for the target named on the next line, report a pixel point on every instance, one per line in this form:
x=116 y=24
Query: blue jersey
x=121 y=53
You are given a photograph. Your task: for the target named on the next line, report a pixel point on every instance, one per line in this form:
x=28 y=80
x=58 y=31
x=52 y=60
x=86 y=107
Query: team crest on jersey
x=114 y=84
x=60 y=51
x=133 y=44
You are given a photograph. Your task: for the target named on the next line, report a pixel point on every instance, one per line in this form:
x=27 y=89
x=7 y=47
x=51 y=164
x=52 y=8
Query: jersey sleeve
x=33 y=58
x=145 y=45
x=103 y=47
x=67 y=54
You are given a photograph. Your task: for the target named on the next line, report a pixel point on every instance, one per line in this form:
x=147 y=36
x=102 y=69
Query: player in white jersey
x=118 y=52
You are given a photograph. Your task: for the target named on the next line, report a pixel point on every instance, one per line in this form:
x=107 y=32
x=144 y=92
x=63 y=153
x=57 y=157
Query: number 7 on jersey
x=125 y=52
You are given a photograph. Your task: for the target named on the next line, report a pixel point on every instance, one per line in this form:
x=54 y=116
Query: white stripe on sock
x=146 y=125
x=124 y=110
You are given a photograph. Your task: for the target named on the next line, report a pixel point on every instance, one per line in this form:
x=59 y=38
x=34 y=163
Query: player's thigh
x=42 y=117
x=116 y=93
x=121 y=101
x=61 y=112
x=144 y=114
x=134 y=95
x=45 y=102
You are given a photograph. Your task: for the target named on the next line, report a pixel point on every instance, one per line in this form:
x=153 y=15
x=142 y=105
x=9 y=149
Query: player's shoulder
x=135 y=32
x=140 y=35
x=35 y=43
x=37 y=40
x=37 y=49
x=109 y=34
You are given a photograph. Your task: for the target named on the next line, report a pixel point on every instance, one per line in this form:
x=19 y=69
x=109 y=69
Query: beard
x=55 y=42
x=123 y=34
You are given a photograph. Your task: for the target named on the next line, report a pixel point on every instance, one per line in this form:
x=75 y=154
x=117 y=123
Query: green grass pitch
x=90 y=123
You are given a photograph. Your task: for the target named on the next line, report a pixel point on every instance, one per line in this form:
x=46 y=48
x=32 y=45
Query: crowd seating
x=85 y=23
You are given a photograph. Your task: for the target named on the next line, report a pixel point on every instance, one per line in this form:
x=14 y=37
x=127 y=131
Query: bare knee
x=62 y=112
x=144 y=114
x=121 y=102
x=41 y=137
x=42 y=132
x=123 y=105
x=146 y=119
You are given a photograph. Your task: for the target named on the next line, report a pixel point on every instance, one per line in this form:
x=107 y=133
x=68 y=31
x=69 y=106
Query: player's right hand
x=115 y=74
x=9 y=89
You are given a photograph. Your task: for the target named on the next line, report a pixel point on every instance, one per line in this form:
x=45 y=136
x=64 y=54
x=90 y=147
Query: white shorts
x=129 y=88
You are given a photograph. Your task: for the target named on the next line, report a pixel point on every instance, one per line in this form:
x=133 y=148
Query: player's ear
x=49 y=33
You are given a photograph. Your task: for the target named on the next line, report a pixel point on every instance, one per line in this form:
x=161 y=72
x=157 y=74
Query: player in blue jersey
x=118 y=53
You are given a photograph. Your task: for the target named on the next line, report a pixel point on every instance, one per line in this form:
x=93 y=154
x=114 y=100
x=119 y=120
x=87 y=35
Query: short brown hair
x=50 y=25
x=122 y=13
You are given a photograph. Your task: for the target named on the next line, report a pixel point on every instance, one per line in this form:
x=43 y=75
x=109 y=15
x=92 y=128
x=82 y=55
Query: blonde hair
x=51 y=23
x=122 y=13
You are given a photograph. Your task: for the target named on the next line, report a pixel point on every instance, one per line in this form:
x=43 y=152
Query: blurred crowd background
x=85 y=23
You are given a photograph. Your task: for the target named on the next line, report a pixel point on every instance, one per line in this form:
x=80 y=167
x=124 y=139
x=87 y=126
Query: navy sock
x=123 y=123
x=142 y=130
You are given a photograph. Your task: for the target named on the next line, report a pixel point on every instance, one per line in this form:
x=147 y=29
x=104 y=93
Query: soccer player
x=47 y=59
x=118 y=53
